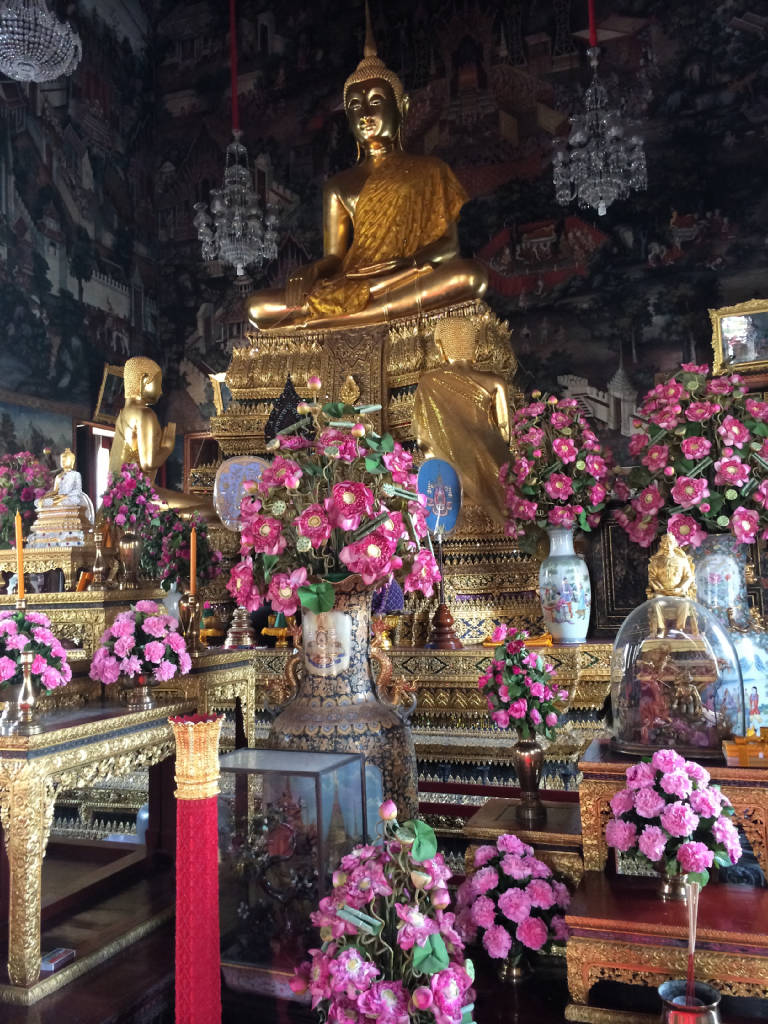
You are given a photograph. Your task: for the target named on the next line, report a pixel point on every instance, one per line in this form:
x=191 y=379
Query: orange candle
x=193 y=561
x=20 y=556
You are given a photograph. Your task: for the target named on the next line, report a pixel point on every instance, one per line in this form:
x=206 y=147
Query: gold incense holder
x=197 y=755
x=190 y=608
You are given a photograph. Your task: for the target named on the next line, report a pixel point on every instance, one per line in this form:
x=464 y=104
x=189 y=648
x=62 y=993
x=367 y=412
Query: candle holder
x=190 y=607
x=99 y=568
x=28 y=723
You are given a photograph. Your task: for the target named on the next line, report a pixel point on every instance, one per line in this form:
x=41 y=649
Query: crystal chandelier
x=34 y=45
x=599 y=164
x=234 y=231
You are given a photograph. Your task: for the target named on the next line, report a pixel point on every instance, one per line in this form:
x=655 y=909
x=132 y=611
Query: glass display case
x=675 y=680
x=285 y=820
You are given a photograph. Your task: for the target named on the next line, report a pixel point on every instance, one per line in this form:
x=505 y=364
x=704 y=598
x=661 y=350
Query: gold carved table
x=71 y=560
x=603 y=775
x=621 y=931
x=75 y=748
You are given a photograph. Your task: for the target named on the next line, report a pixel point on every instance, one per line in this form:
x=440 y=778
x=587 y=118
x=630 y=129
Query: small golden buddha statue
x=671 y=574
x=65 y=513
x=139 y=437
x=389 y=225
x=460 y=414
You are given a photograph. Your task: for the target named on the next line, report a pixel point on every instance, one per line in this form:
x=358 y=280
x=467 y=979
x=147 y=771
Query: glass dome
x=675 y=680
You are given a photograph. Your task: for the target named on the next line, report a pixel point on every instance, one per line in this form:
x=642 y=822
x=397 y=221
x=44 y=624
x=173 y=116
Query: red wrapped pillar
x=198 y=979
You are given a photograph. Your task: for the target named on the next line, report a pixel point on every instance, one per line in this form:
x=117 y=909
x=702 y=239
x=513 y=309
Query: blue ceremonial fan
x=440 y=483
x=231 y=477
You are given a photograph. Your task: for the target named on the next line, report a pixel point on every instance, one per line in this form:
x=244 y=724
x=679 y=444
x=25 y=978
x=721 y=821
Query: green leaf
x=339 y=410
x=317 y=597
x=373 y=464
x=424 y=843
x=431 y=957
x=387 y=443
x=702 y=877
x=722 y=860
x=269 y=562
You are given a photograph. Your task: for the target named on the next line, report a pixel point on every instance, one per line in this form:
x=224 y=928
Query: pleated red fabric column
x=198 y=978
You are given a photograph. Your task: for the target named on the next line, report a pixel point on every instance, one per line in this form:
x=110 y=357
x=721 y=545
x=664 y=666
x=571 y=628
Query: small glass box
x=285 y=820
x=675 y=681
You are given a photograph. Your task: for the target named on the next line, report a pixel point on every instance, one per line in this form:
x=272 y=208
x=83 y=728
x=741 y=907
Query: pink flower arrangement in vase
x=130 y=501
x=338 y=503
x=512 y=900
x=23 y=630
x=560 y=476
x=166 y=549
x=23 y=479
x=142 y=643
x=702 y=445
x=390 y=952
x=671 y=816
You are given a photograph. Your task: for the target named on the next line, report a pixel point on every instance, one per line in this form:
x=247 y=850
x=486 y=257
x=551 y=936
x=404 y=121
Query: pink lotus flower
x=637 y=443
x=559 y=487
x=264 y=535
x=649 y=500
x=415 y=928
x=689 y=491
x=373 y=557
x=652 y=842
x=424 y=574
x=656 y=457
x=731 y=471
x=695 y=448
x=349 y=502
x=313 y=523
x=242 y=588
x=449 y=989
x=685 y=530
x=695 y=857
x=733 y=432
x=744 y=524
x=757 y=409
x=281 y=472
x=760 y=496
x=643 y=530
x=565 y=449
x=699 y=411
x=562 y=516
x=351 y=972
x=597 y=467
x=283 y=590
x=597 y=494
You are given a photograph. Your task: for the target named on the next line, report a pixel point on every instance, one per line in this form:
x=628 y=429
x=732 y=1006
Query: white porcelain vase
x=564 y=589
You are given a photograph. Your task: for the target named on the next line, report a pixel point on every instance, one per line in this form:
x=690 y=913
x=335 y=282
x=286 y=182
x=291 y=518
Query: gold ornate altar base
x=72 y=561
x=74 y=748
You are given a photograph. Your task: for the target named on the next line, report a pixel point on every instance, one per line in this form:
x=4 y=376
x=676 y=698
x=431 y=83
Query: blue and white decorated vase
x=564 y=589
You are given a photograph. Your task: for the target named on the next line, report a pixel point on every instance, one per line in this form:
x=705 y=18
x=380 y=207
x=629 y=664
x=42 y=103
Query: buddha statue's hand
x=386 y=267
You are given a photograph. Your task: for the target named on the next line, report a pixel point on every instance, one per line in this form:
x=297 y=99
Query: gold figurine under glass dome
x=389 y=225
x=675 y=675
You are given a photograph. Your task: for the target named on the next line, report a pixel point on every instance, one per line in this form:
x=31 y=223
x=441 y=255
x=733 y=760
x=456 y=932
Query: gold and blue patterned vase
x=564 y=589
x=337 y=706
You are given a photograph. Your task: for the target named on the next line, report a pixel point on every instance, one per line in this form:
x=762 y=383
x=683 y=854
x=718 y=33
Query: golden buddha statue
x=389 y=225
x=460 y=414
x=139 y=437
x=65 y=513
x=671 y=573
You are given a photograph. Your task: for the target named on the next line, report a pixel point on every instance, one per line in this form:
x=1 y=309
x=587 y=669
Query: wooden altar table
x=621 y=931
x=603 y=775
x=75 y=748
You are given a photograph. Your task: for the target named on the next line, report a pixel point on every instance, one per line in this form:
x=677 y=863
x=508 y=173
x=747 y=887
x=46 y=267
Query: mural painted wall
x=598 y=305
x=77 y=226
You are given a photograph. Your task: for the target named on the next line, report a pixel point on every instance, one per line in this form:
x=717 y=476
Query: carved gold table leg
x=594 y=802
x=26 y=819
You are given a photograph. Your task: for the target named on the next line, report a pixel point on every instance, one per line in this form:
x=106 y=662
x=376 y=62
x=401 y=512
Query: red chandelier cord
x=233 y=65
x=592 y=26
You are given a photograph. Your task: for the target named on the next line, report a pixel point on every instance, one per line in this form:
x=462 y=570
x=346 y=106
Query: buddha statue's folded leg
x=268 y=309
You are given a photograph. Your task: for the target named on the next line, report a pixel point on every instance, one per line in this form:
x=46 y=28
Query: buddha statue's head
x=374 y=99
x=143 y=379
x=67 y=459
x=455 y=338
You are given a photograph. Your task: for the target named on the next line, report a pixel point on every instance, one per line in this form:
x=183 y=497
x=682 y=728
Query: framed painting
x=110 y=400
x=740 y=337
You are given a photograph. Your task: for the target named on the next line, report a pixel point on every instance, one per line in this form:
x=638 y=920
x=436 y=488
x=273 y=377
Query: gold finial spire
x=369 y=49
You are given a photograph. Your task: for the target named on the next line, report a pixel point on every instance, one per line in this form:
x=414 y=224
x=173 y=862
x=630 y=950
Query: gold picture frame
x=740 y=337
x=110 y=400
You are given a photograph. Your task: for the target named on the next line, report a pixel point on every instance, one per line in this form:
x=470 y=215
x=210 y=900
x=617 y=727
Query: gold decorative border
x=716 y=316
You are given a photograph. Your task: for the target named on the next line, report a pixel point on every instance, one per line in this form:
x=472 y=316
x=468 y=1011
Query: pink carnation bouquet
x=672 y=817
x=560 y=475
x=142 y=641
x=24 y=630
x=702 y=447
x=519 y=686
x=390 y=951
x=512 y=900
x=23 y=479
x=338 y=502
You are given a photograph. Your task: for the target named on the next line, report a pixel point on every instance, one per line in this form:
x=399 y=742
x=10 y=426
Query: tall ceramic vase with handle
x=337 y=706
x=564 y=589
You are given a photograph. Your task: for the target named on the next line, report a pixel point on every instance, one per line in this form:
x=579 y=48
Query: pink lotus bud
x=419 y=879
x=314 y=383
x=299 y=984
x=303 y=408
x=358 y=430
x=339 y=878
x=669 y=471
x=441 y=898
x=388 y=810
x=422 y=998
